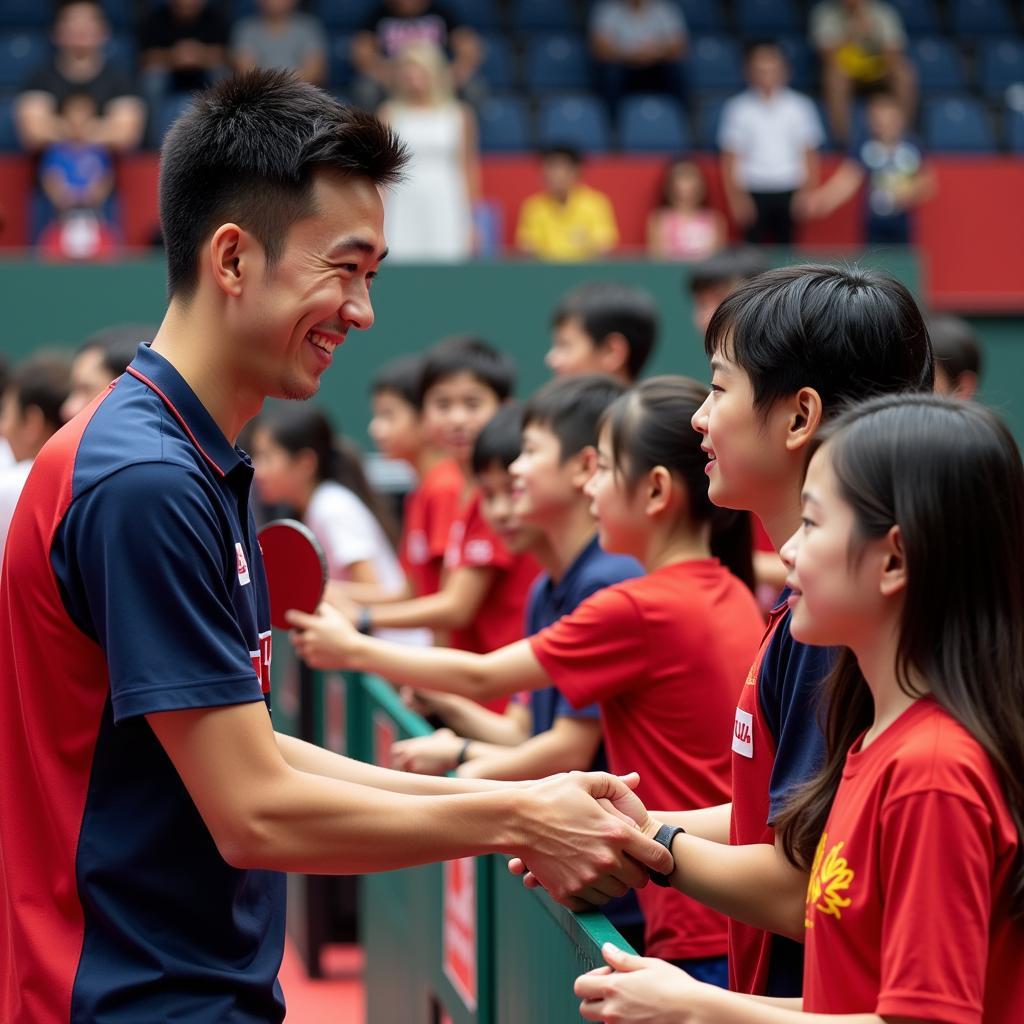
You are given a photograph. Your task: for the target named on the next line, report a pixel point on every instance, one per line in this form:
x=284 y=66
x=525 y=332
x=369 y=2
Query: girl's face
x=395 y=427
x=623 y=525
x=837 y=598
x=280 y=476
x=687 y=186
x=413 y=80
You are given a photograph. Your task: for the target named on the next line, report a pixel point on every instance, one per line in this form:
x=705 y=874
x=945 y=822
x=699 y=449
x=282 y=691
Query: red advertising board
x=384 y=737
x=459 y=938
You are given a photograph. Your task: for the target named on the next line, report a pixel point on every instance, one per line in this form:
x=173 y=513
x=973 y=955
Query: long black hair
x=650 y=426
x=950 y=476
x=298 y=427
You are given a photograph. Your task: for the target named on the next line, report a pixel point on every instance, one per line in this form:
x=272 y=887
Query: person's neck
x=781 y=518
x=568 y=535
x=198 y=354
x=305 y=498
x=877 y=658
x=768 y=93
x=427 y=459
x=682 y=543
x=80 y=66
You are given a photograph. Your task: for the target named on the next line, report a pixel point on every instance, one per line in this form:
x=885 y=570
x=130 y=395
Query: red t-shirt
x=908 y=902
x=665 y=656
x=430 y=511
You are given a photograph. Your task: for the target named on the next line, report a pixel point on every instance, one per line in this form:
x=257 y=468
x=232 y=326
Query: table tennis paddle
x=296 y=568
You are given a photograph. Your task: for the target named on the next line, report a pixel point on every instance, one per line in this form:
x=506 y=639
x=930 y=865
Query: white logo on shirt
x=743 y=734
x=240 y=564
x=479 y=552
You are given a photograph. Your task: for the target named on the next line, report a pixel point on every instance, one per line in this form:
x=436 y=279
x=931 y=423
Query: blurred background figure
x=6 y=455
x=769 y=137
x=682 y=226
x=280 y=37
x=861 y=44
x=711 y=280
x=98 y=360
x=958 y=359
x=637 y=46
x=183 y=47
x=429 y=216
x=392 y=27
x=568 y=220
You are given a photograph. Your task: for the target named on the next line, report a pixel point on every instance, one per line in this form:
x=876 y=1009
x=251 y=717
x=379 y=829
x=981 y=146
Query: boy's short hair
x=500 y=441
x=605 y=307
x=247 y=150
x=572 y=409
x=465 y=353
x=739 y=263
x=42 y=381
x=401 y=377
x=955 y=345
x=847 y=332
x=117 y=345
x=562 y=151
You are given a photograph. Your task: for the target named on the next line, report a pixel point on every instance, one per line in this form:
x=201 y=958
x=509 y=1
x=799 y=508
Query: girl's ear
x=584 y=464
x=804 y=418
x=305 y=460
x=660 y=491
x=894 y=566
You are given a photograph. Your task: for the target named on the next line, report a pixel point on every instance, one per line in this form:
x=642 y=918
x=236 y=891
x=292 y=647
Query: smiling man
x=147 y=807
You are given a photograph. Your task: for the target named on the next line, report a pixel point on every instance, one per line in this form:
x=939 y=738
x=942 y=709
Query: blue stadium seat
x=802 y=60
x=543 y=16
x=702 y=16
x=1015 y=130
x=339 y=61
x=24 y=14
x=120 y=14
x=652 y=124
x=556 y=61
x=938 y=63
x=241 y=9
x=164 y=114
x=499 y=66
x=504 y=124
x=765 y=18
x=715 y=63
x=20 y=54
x=981 y=18
x=578 y=121
x=483 y=15
x=919 y=17
x=349 y=16
x=1001 y=65
x=957 y=125
x=121 y=51
x=709 y=114
x=8 y=135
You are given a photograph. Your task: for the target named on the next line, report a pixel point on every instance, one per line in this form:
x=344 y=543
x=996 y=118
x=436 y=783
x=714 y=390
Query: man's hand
x=580 y=852
x=323 y=640
x=637 y=989
x=427 y=755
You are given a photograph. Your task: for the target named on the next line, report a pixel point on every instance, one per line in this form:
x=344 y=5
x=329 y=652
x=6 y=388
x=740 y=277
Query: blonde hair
x=431 y=59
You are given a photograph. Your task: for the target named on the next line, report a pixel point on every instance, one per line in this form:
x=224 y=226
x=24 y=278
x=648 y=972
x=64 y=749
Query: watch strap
x=665 y=835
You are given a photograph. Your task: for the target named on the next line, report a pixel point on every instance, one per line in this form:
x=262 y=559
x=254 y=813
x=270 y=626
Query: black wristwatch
x=364 y=623
x=665 y=835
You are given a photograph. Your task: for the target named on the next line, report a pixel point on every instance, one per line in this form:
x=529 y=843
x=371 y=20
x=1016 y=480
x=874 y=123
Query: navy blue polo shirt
x=162 y=586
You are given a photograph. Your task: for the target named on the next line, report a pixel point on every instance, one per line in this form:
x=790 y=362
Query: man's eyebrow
x=359 y=245
x=717 y=366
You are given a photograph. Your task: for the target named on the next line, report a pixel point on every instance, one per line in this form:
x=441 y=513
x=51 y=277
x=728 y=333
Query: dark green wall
x=509 y=304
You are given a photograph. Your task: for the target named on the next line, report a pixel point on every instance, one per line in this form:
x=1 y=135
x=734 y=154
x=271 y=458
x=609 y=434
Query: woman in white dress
x=428 y=217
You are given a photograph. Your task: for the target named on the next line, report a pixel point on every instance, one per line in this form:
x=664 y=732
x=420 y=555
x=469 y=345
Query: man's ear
x=894 y=565
x=803 y=418
x=613 y=353
x=584 y=465
x=235 y=257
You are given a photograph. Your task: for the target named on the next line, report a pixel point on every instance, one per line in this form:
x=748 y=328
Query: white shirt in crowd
x=6 y=455
x=12 y=480
x=348 y=533
x=769 y=135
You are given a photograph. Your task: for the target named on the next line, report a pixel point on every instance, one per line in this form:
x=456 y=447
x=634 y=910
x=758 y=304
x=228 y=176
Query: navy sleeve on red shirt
x=145 y=569
x=790 y=691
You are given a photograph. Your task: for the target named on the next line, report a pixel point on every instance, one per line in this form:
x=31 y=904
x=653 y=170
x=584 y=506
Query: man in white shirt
x=6 y=455
x=29 y=415
x=769 y=137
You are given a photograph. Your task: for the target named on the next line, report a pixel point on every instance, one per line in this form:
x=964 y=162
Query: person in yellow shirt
x=568 y=221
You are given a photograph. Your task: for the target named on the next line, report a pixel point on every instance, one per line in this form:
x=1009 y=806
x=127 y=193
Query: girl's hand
x=426 y=702
x=637 y=989
x=324 y=640
x=427 y=755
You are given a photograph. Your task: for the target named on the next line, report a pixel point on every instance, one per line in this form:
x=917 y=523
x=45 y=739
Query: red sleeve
x=440 y=511
x=937 y=860
x=597 y=651
x=481 y=547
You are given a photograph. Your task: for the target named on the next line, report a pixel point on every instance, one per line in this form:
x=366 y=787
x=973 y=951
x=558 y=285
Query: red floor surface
x=337 y=998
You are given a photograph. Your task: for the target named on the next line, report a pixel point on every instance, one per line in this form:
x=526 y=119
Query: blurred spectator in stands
x=429 y=214
x=6 y=455
x=397 y=23
x=99 y=359
x=683 y=226
x=710 y=281
x=183 y=46
x=77 y=177
x=568 y=221
x=891 y=165
x=769 y=137
x=637 y=46
x=29 y=416
x=957 y=356
x=861 y=44
x=279 y=37
x=78 y=65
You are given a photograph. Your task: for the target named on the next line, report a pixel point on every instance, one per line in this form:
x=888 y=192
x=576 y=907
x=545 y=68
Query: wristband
x=664 y=836
x=364 y=623
x=463 y=750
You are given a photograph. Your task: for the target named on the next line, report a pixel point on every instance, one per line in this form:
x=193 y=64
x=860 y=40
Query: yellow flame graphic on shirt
x=831 y=876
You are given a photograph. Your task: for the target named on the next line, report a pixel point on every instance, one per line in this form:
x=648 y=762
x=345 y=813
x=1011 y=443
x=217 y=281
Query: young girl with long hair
x=664 y=655
x=911 y=557
x=682 y=226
